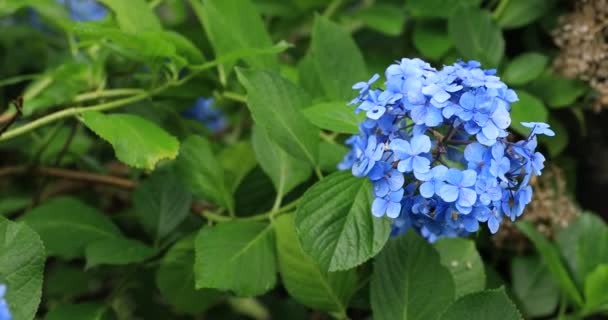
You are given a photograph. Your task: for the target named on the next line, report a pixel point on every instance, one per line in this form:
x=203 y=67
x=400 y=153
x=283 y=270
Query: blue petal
x=448 y=193
x=379 y=207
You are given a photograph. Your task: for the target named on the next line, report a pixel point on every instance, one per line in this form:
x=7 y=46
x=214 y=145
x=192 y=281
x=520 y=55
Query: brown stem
x=69 y=174
x=18 y=103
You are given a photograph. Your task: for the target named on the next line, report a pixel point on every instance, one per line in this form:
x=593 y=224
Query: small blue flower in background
x=436 y=148
x=85 y=10
x=210 y=117
x=5 y=313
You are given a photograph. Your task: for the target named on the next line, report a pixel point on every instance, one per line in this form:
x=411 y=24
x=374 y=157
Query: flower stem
x=107 y=94
x=502 y=5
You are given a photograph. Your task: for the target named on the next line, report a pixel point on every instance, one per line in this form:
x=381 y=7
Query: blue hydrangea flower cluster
x=5 y=313
x=435 y=146
x=203 y=111
x=85 y=10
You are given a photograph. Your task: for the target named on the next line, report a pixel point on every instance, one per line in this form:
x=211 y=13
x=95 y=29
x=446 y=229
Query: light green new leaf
x=476 y=35
x=199 y=169
x=337 y=60
x=409 y=282
x=525 y=68
x=305 y=281
x=81 y=311
x=528 y=109
x=21 y=266
x=335 y=225
x=233 y=25
x=134 y=16
x=519 y=13
x=552 y=260
x=334 y=116
x=237 y=160
x=61 y=221
x=437 y=8
x=489 y=304
x=461 y=258
x=117 y=251
x=161 y=202
x=533 y=286
x=285 y=171
x=237 y=256
x=275 y=105
x=596 y=295
x=175 y=280
x=137 y=142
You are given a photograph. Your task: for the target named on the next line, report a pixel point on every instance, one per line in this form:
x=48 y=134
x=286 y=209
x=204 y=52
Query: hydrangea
x=5 y=313
x=436 y=148
x=210 y=117
x=85 y=10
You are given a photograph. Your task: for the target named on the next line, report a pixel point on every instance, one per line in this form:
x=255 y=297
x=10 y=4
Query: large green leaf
x=136 y=141
x=431 y=39
x=335 y=225
x=552 y=260
x=233 y=25
x=525 y=68
x=223 y=250
x=134 y=16
x=285 y=171
x=237 y=160
x=275 y=105
x=67 y=226
x=305 y=281
x=437 y=8
x=337 y=59
x=533 y=286
x=199 y=169
x=409 y=281
x=490 y=304
x=175 y=280
x=334 y=116
x=528 y=108
x=161 y=202
x=383 y=17
x=117 y=251
x=461 y=258
x=596 y=295
x=476 y=35
x=557 y=91
x=21 y=266
x=519 y=13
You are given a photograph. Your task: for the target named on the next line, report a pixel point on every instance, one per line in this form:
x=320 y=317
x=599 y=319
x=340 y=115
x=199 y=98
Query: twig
x=18 y=103
x=69 y=174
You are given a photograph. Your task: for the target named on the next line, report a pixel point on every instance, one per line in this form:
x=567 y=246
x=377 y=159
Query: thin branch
x=18 y=103
x=69 y=174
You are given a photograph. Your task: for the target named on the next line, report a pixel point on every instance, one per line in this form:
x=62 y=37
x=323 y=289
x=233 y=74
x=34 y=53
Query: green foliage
x=490 y=304
x=461 y=258
x=533 y=286
x=438 y=8
x=525 y=68
x=117 y=251
x=334 y=116
x=528 y=108
x=519 y=13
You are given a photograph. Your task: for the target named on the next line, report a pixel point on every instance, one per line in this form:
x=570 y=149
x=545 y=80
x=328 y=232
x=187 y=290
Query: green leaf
x=552 y=260
x=437 y=8
x=461 y=258
x=117 y=251
x=62 y=220
x=175 y=280
x=476 y=35
x=237 y=160
x=533 y=286
x=285 y=171
x=305 y=281
x=525 y=68
x=63 y=281
x=308 y=77
x=233 y=25
x=136 y=141
x=557 y=91
x=409 y=281
x=161 y=202
x=134 y=16
x=224 y=249
x=558 y=143
x=198 y=168
x=330 y=155
x=81 y=311
x=528 y=108
x=335 y=225
x=275 y=105
x=596 y=295
x=10 y=204
x=519 y=13
x=385 y=18
x=489 y=304
x=21 y=265
x=337 y=59
x=334 y=116
x=432 y=39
